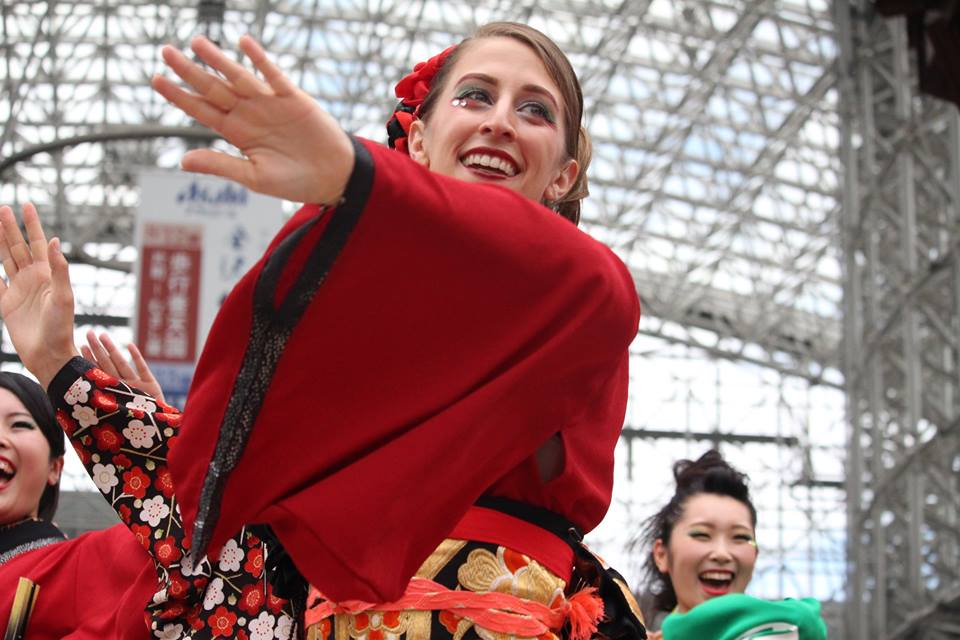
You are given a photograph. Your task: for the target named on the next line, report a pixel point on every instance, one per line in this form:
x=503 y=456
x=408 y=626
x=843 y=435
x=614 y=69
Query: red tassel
x=585 y=613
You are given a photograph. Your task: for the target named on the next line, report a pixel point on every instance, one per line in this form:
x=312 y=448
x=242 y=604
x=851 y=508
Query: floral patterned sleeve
x=122 y=437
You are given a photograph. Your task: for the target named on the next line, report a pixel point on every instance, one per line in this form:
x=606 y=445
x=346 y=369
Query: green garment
x=741 y=617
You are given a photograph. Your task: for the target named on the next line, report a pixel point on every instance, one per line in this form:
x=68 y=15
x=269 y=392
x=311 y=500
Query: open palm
x=37 y=302
x=291 y=148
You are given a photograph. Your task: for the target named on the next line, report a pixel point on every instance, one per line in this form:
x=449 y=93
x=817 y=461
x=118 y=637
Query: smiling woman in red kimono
x=129 y=581
x=79 y=588
x=421 y=384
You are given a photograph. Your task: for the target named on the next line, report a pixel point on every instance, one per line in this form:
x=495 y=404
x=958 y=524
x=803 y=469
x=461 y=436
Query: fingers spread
x=99 y=354
x=241 y=79
x=38 y=241
x=86 y=353
x=6 y=215
x=188 y=70
x=210 y=86
x=190 y=103
x=279 y=82
x=60 y=275
x=139 y=362
x=15 y=253
x=117 y=358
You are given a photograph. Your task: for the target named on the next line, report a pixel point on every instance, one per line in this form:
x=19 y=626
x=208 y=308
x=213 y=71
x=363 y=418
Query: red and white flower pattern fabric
x=123 y=437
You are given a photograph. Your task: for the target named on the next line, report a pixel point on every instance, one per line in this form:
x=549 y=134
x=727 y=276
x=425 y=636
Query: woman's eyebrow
x=543 y=91
x=711 y=525
x=14 y=414
x=529 y=88
x=482 y=77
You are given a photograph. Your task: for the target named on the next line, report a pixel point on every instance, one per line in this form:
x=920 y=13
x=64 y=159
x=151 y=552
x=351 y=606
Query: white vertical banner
x=196 y=236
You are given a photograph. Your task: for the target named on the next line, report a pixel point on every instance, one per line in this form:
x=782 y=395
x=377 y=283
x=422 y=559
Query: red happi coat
x=455 y=329
x=132 y=582
x=92 y=587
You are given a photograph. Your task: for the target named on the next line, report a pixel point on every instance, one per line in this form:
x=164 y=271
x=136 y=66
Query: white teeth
x=716 y=575
x=489 y=161
x=5 y=467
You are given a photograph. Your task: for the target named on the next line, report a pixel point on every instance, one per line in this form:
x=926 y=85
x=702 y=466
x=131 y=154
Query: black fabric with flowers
x=122 y=437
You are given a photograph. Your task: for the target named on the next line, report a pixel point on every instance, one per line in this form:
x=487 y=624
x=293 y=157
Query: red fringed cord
x=498 y=612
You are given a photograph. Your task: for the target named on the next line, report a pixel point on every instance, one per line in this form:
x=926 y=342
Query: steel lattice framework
x=901 y=235
x=716 y=176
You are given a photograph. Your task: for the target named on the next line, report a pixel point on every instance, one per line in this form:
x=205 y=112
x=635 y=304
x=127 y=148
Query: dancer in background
x=702 y=549
x=82 y=587
x=134 y=580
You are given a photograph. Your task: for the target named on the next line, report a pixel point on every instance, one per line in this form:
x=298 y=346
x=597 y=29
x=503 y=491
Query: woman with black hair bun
x=702 y=552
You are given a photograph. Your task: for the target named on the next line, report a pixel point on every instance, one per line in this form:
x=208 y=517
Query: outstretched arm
x=37 y=302
x=291 y=147
x=122 y=437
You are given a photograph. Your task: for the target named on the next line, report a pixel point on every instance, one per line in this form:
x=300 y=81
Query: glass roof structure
x=718 y=176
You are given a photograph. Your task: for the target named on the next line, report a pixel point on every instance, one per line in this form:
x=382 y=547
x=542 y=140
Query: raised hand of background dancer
x=104 y=353
x=292 y=148
x=36 y=301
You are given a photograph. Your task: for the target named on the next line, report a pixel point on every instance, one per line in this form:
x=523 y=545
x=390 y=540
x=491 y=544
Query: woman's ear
x=661 y=556
x=56 y=468
x=416 y=146
x=563 y=181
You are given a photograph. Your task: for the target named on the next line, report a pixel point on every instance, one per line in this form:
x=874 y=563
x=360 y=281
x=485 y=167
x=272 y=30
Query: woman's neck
x=14 y=523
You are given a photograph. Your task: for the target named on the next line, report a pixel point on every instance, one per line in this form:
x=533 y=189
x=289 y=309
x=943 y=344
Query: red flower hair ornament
x=412 y=90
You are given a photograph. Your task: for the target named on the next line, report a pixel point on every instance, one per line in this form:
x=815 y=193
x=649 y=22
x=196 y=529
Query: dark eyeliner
x=466 y=91
x=544 y=111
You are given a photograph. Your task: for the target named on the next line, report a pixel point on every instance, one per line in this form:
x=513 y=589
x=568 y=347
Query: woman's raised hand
x=37 y=301
x=104 y=353
x=292 y=148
